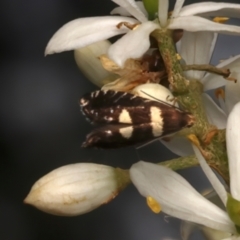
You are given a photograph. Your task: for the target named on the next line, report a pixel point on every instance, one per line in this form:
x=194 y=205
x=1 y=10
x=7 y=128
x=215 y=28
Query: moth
x=125 y=119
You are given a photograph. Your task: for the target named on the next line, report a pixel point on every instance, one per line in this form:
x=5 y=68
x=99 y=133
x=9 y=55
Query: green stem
x=189 y=96
x=180 y=163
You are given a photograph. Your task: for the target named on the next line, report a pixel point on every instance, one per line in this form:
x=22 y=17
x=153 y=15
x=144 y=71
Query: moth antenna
x=145 y=144
x=166 y=103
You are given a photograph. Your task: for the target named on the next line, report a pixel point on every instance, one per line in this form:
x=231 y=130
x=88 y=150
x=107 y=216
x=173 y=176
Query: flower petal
x=177 y=197
x=88 y=61
x=84 y=31
x=212 y=81
x=177 y=8
x=197 y=48
x=195 y=24
x=163 y=12
x=233 y=150
x=178 y=145
x=215 y=114
x=75 y=189
x=132 y=45
x=123 y=12
x=212 y=9
x=232 y=94
x=133 y=9
x=213 y=179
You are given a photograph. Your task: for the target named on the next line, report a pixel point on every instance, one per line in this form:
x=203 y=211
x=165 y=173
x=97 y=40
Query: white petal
x=84 y=31
x=178 y=145
x=177 y=197
x=233 y=150
x=132 y=8
x=215 y=182
x=123 y=12
x=195 y=24
x=74 y=189
x=212 y=81
x=232 y=93
x=132 y=45
x=197 y=48
x=177 y=8
x=89 y=63
x=212 y=9
x=163 y=12
x=215 y=114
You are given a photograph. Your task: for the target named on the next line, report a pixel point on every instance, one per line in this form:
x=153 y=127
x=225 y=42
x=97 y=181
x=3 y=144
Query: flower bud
x=77 y=188
x=87 y=59
x=154 y=91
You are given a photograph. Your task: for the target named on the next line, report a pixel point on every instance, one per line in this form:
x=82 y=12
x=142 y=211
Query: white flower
x=76 y=189
x=84 y=31
x=178 y=198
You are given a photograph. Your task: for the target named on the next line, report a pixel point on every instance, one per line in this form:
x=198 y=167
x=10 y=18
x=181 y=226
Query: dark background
x=42 y=128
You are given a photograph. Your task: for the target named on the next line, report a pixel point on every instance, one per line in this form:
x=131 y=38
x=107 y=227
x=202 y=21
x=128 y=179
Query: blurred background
x=42 y=128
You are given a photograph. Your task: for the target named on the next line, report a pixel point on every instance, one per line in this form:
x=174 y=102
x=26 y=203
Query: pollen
x=153 y=205
x=193 y=138
x=220 y=19
x=178 y=56
x=219 y=93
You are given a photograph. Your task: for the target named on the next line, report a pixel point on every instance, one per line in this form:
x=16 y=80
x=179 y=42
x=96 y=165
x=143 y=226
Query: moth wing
x=117 y=107
x=120 y=135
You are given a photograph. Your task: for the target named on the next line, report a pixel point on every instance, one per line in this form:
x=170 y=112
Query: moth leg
x=172 y=99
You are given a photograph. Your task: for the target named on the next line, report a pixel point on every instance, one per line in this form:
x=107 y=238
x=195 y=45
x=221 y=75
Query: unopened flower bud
x=77 y=188
x=87 y=59
x=154 y=91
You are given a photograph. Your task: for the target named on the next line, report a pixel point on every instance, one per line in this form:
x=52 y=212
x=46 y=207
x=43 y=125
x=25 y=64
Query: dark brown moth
x=125 y=119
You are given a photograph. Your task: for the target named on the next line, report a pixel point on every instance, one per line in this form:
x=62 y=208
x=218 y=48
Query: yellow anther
x=170 y=13
x=153 y=205
x=193 y=138
x=219 y=93
x=178 y=56
x=220 y=19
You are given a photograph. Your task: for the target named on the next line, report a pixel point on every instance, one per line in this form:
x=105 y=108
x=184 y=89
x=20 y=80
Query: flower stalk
x=189 y=96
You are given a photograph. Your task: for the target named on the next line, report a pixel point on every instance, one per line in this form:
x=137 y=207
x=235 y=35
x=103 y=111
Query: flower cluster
x=125 y=65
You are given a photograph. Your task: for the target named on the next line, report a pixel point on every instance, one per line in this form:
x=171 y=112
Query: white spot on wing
x=134 y=96
x=156 y=115
x=83 y=102
x=108 y=132
x=156 y=121
x=97 y=93
x=124 y=117
x=157 y=129
x=126 y=132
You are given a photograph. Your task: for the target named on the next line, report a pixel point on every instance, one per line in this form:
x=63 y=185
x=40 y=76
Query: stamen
x=220 y=95
x=193 y=138
x=178 y=56
x=220 y=19
x=153 y=205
